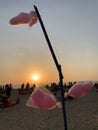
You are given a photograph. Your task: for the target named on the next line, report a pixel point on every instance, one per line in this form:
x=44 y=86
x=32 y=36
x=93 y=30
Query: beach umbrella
x=42 y=99
x=80 y=89
x=24 y=18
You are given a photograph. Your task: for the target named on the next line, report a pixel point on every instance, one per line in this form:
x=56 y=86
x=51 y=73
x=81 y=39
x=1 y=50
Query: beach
x=82 y=114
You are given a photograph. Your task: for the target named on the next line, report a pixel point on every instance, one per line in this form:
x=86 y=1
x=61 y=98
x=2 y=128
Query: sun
x=35 y=77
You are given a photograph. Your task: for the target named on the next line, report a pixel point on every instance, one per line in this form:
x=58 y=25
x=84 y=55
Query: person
x=9 y=102
x=32 y=88
x=27 y=88
x=3 y=100
x=21 y=90
x=8 y=89
x=96 y=86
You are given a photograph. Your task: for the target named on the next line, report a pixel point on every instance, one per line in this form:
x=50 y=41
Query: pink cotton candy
x=24 y=18
x=33 y=14
x=34 y=18
x=42 y=99
x=80 y=89
x=33 y=21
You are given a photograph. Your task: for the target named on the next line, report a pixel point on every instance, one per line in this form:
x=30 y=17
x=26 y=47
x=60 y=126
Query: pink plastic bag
x=80 y=89
x=24 y=18
x=42 y=99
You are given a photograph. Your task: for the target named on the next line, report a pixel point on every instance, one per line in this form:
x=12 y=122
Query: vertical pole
x=62 y=94
x=57 y=65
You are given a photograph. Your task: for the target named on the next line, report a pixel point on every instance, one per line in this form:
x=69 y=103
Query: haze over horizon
x=72 y=27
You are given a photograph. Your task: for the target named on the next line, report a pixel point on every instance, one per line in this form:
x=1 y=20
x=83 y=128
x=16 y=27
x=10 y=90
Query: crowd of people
x=5 y=93
x=26 y=89
x=6 y=90
x=56 y=89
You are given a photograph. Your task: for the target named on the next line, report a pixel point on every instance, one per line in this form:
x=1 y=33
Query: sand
x=82 y=114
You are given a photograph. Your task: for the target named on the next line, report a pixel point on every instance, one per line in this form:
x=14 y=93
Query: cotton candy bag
x=41 y=98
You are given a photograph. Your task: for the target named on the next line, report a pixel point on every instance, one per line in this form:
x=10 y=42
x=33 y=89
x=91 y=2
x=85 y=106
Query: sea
x=17 y=86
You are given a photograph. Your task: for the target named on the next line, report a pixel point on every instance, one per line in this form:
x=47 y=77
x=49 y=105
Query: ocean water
x=16 y=86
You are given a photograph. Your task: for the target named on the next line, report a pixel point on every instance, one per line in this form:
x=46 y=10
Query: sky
x=72 y=27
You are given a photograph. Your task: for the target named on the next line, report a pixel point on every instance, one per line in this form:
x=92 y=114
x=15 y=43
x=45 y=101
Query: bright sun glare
x=35 y=77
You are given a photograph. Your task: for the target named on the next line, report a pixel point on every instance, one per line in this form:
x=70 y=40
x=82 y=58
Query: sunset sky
x=72 y=27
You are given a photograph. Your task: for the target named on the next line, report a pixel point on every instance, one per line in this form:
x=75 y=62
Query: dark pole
x=57 y=65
